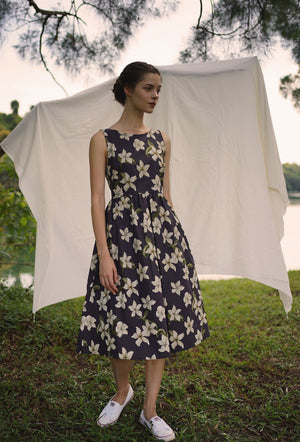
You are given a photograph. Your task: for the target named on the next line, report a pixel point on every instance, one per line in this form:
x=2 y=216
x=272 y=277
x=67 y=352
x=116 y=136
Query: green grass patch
x=241 y=384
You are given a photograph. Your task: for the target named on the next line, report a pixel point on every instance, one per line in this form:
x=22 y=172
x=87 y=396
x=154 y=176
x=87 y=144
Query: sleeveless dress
x=158 y=308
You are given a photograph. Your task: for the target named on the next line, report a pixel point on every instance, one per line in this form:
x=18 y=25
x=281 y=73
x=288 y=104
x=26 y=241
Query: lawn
x=241 y=384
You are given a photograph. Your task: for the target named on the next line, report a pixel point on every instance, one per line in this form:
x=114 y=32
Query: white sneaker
x=110 y=414
x=159 y=428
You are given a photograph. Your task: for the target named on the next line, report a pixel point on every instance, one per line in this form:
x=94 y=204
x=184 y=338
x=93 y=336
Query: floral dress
x=158 y=308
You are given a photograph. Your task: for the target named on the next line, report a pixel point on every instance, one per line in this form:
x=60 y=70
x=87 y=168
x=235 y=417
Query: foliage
x=9 y=121
x=77 y=34
x=241 y=384
x=290 y=88
x=17 y=225
x=292 y=176
x=252 y=26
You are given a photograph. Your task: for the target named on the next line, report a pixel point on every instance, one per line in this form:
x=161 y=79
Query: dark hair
x=130 y=76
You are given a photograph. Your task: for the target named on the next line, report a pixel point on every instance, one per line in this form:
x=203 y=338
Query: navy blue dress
x=158 y=308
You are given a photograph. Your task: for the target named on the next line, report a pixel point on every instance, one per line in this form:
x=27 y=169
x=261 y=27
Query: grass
x=241 y=384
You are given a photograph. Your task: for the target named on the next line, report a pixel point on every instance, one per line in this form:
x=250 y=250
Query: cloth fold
x=226 y=178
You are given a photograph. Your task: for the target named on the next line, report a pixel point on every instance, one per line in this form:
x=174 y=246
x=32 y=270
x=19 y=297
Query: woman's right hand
x=108 y=273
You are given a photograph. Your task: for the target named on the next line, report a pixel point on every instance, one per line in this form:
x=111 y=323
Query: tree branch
x=200 y=15
x=43 y=59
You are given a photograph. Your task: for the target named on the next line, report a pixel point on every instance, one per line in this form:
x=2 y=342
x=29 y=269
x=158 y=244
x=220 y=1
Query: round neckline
x=126 y=133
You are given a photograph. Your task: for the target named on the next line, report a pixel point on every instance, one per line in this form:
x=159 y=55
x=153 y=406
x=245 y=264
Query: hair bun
x=118 y=90
x=130 y=76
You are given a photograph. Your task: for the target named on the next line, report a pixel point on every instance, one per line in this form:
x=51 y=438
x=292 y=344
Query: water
x=290 y=247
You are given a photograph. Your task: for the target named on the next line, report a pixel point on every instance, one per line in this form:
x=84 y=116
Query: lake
x=290 y=247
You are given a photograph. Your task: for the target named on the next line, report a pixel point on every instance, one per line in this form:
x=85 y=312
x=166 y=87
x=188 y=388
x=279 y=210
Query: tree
x=249 y=26
x=77 y=34
x=14 y=107
x=292 y=176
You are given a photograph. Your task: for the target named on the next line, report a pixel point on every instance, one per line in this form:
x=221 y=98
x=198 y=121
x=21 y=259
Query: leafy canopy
x=249 y=26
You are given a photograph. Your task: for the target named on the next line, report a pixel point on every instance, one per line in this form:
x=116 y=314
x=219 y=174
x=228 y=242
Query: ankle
x=149 y=413
x=121 y=395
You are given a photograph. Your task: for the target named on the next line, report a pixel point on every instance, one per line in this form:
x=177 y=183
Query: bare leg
x=121 y=369
x=154 y=373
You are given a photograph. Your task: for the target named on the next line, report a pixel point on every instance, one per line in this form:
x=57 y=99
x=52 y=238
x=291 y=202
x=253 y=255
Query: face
x=144 y=96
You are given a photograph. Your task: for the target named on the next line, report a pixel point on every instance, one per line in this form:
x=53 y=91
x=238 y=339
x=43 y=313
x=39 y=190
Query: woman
x=143 y=296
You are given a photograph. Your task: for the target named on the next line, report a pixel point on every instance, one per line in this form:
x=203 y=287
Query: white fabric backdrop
x=226 y=179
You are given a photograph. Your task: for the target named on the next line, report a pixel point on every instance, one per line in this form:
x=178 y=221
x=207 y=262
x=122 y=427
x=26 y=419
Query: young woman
x=143 y=297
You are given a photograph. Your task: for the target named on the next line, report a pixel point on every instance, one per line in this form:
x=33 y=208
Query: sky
x=158 y=42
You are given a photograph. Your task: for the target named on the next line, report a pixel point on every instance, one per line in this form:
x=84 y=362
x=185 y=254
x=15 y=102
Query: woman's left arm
x=166 y=182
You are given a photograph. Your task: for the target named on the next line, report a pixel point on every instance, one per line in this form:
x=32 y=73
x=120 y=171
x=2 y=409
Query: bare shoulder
x=166 y=138
x=97 y=142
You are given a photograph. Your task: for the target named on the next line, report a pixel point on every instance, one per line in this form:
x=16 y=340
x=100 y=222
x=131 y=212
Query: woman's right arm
x=97 y=155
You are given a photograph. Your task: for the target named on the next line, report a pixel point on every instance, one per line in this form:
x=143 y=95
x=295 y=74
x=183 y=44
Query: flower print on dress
x=158 y=307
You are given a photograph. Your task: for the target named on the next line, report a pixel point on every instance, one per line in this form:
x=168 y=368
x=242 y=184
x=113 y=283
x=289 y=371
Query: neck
x=132 y=119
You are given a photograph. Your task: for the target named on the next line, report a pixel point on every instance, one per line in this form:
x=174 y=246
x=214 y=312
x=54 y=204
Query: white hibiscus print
x=128 y=181
x=186 y=273
x=121 y=329
x=189 y=325
x=94 y=261
x=146 y=224
x=187 y=299
x=164 y=215
x=176 y=232
x=94 y=348
x=202 y=317
x=117 y=211
x=135 y=309
x=156 y=225
x=102 y=329
x=121 y=300
x=134 y=219
x=175 y=339
x=184 y=244
x=148 y=303
x=138 y=144
x=124 y=136
x=150 y=328
x=142 y=272
x=168 y=262
x=88 y=321
x=199 y=337
x=126 y=234
x=102 y=302
x=111 y=317
x=92 y=296
x=153 y=152
x=118 y=192
x=143 y=169
x=157 y=284
x=125 y=354
x=153 y=205
x=156 y=183
x=126 y=261
x=114 y=251
x=167 y=236
x=140 y=337
x=129 y=286
x=110 y=342
x=111 y=149
x=161 y=313
x=177 y=287
x=174 y=314
x=137 y=245
x=125 y=157
x=151 y=250
x=164 y=344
